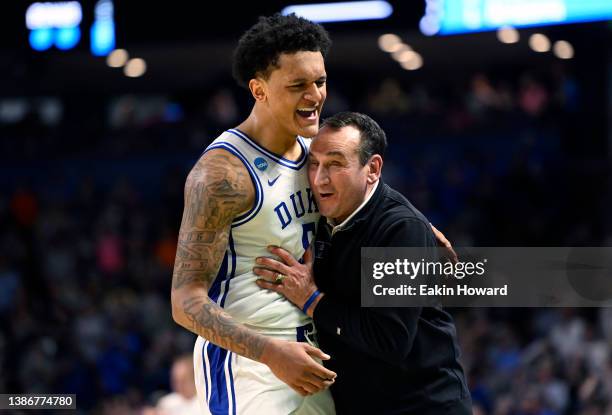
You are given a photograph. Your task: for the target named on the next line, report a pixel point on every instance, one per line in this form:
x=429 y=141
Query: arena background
x=498 y=145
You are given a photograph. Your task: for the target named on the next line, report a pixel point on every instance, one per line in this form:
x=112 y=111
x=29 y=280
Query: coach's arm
x=217 y=190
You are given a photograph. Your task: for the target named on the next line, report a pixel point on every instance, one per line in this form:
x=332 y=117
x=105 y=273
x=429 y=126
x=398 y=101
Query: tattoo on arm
x=217 y=190
x=211 y=322
x=215 y=193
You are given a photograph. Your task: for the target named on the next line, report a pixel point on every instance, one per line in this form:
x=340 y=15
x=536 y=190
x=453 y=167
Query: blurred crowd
x=538 y=362
x=91 y=202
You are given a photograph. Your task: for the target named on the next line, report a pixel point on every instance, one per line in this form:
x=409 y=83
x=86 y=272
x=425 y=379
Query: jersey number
x=307 y=227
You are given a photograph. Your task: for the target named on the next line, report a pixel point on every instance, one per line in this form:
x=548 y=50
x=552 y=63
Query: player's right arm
x=217 y=190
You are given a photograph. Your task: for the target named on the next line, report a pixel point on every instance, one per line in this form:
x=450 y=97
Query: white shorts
x=231 y=384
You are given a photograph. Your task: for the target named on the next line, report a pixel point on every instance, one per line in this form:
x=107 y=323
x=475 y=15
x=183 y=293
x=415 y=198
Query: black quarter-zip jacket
x=388 y=360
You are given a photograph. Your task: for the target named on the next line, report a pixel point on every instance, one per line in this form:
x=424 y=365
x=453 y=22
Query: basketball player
x=255 y=352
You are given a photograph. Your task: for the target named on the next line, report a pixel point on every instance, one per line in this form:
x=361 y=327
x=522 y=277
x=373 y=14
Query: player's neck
x=268 y=135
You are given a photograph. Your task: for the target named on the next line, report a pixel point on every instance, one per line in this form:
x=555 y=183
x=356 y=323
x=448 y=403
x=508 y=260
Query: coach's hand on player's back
x=448 y=252
x=294 y=364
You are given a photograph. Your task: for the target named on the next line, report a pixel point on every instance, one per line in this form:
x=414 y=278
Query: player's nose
x=314 y=94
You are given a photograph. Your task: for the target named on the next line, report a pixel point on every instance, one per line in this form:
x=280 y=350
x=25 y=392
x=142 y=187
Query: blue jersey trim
x=218 y=403
x=233 y=273
x=259 y=194
x=295 y=165
x=215 y=288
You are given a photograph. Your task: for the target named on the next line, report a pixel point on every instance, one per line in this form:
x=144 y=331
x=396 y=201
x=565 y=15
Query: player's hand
x=450 y=253
x=297 y=284
x=294 y=364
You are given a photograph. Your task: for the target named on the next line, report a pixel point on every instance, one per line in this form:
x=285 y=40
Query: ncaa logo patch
x=261 y=163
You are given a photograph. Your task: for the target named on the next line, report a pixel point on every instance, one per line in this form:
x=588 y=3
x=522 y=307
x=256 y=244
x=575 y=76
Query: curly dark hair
x=259 y=47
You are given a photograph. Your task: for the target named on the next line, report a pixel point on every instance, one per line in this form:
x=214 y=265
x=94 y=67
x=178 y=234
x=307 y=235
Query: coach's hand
x=449 y=252
x=297 y=281
x=294 y=364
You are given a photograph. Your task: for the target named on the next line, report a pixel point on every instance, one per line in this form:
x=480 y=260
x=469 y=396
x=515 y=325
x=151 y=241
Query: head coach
x=388 y=360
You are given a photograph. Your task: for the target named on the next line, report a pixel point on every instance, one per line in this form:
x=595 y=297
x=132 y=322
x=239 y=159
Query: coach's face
x=338 y=180
x=295 y=91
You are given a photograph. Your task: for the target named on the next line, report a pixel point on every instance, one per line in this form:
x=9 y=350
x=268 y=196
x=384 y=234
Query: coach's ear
x=258 y=89
x=374 y=168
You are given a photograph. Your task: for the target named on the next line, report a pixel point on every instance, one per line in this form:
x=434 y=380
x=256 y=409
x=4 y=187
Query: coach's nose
x=321 y=177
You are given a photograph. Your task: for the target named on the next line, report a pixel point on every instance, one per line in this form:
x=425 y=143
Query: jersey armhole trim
x=259 y=196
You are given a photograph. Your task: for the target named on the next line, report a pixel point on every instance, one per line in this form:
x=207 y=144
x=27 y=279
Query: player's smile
x=308 y=113
x=298 y=88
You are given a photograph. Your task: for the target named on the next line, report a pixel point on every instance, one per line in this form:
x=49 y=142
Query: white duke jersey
x=284 y=214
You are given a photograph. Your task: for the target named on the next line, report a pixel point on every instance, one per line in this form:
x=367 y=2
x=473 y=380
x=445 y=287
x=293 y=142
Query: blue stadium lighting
x=446 y=17
x=102 y=38
x=41 y=39
x=103 y=29
x=67 y=38
x=341 y=12
x=54 y=23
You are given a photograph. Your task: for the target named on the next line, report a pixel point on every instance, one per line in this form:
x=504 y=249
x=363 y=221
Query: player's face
x=296 y=91
x=338 y=180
